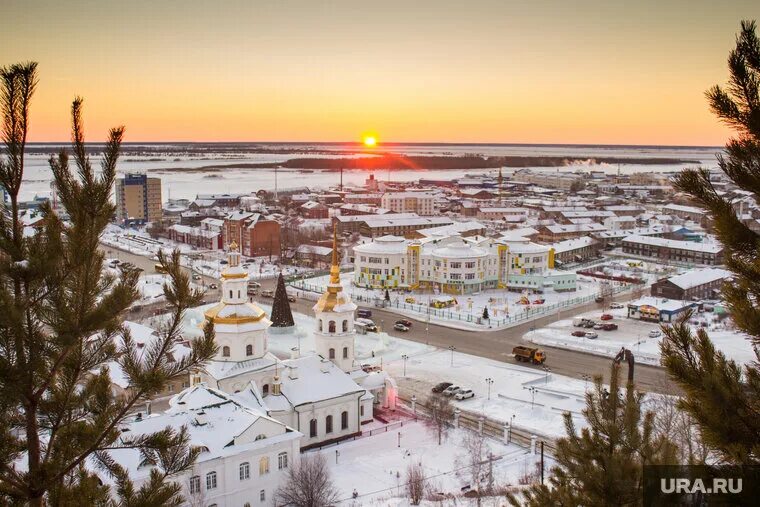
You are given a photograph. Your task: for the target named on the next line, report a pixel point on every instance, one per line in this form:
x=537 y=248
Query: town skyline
x=502 y=73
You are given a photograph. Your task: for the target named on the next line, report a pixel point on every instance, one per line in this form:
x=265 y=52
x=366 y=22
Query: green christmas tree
x=61 y=326
x=281 y=314
x=722 y=396
x=486 y=315
x=602 y=465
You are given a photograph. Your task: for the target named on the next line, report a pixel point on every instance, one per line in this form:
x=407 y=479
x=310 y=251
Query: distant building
x=673 y=250
x=697 y=215
x=657 y=309
x=422 y=203
x=312 y=209
x=697 y=284
x=254 y=234
x=138 y=199
x=576 y=250
x=561 y=232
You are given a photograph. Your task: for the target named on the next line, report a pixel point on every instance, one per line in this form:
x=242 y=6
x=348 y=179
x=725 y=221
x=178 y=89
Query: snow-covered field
x=633 y=334
x=375 y=466
x=504 y=307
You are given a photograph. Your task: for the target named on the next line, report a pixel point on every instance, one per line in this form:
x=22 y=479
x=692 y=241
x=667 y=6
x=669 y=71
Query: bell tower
x=334 y=334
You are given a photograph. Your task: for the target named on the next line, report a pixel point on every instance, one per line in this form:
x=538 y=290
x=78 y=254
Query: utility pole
x=542 y=461
x=276 y=197
x=341 y=179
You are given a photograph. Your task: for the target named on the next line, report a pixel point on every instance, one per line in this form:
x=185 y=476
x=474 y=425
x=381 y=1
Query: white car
x=196 y=277
x=654 y=333
x=591 y=335
x=616 y=306
x=463 y=394
x=451 y=390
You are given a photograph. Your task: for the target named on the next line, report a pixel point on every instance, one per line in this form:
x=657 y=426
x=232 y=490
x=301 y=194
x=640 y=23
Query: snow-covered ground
x=504 y=307
x=633 y=334
x=375 y=466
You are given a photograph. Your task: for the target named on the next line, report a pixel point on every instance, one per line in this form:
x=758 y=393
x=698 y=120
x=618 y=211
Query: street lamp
x=533 y=395
x=547 y=371
x=511 y=423
x=489 y=382
x=452 y=349
x=586 y=378
x=404 y=357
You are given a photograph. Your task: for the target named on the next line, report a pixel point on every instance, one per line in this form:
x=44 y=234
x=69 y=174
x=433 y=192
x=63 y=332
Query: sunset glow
x=370 y=141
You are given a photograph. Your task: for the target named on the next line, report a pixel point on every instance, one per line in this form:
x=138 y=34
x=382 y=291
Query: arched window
x=328 y=424
x=260 y=436
x=331 y=326
x=249 y=350
x=238 y=293
x=345 y=352
x=332 y=353
x=344 y=420
x=245 y=471
x=345 y=326
x=282 y=460
x=320 y=325
x=313 y=428
x=225 y=351
x=264 y=465
x=230 y=294
x=265 y=390
x=211 y=480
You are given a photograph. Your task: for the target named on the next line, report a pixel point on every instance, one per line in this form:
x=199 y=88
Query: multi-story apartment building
x=458 y=265
x=138 y=199
x=254 y=234
x=422 y=203
x=548 y=179
x=689 y=252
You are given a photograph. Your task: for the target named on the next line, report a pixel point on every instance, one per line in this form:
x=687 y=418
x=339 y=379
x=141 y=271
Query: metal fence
x=529 y=313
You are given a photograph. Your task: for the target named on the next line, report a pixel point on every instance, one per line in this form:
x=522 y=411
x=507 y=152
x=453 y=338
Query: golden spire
x=335 y=267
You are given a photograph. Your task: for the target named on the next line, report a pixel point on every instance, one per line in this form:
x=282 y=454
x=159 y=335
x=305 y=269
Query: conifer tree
x=281 y=314
x=486 y=315
x=387 y=296
x=721 y=396
x=60 y=327
x=602 y=465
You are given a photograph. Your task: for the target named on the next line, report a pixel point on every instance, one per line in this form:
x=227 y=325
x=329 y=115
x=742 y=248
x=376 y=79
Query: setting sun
x=370 y=141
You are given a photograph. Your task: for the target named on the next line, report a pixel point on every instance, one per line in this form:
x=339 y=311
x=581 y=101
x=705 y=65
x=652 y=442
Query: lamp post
x=452 y=349
x=511 y=424
x=547 y=371
x=489 y=382
x=533 y=395
x=586 y=378
x=404 y=357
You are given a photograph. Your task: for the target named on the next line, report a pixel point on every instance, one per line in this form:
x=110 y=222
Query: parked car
x=579 y=333
x=599 y=299
x=406 y=322
x=610 y=326
x=364 y=313
x=599 y=326
x=591 y=335
x=366 y=325
x=463 y=394
x=606 y=316
x=267 y=293
x=440 y=387
x=255 y=285
x=589 y=324
x=451 y=390
x=654 y=333
x=400 y=327
x=616 y=306
x=291 y=298
x=539 y=301
x=196 y=277
x=213 y=286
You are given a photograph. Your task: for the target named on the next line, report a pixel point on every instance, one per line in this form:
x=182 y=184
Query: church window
x=332 y=353
x=226 y=351
x=345 y=352
x=345 y=326
x=260 y=436
x=282 y=460
x=230 y=294
x=264 y=465
x=344 y=420
x=238 y=294
x=331 y=326
x=249 y=350
x=320 y=325
x=313 y=428
x=245 y=471
x=328 y=424
x=265 y=390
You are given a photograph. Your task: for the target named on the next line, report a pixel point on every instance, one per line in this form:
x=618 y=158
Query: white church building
x=327 y=396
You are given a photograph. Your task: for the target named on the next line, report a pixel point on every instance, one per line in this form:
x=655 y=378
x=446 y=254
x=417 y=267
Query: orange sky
x=442 y=71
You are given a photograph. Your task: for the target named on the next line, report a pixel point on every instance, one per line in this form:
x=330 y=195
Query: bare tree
x=680 y=428
x=441 y=412
x=478 y=462
x=308 y=484
x=415 y=483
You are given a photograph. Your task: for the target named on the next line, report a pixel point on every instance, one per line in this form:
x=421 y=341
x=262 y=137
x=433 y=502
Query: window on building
x=262 y=496
x=328 y=424
x=345 y=352
x=249 y=350
x=331 y=326
x=260 y=436
x=265 y=389
x=230 y=294
x=313 y=428
x=245 y=471
x=282 y=460
x=264 y=465
x=195 y=484
x=211 y=480
x=361 y=411
x=344 y=420
x=225 y=351
x=345 y=326
x=332 y=353
x=320 y=325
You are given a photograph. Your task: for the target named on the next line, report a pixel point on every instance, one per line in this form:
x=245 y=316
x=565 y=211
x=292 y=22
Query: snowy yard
x=375 y=466
x=633 y=334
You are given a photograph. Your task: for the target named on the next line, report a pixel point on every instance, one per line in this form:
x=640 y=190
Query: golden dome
x=224 y=313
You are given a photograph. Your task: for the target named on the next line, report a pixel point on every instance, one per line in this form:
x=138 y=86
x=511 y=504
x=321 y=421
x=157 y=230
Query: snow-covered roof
x=463 y=251
x=682 y=208
x=673 y=243
x=662 y=304
x=383 y=245
x=699 y=277
x=314 y=249
x=560 y=228
x=573 y=244
x=455 y=228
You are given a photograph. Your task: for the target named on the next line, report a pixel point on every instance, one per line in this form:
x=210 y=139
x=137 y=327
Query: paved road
x=491 y=344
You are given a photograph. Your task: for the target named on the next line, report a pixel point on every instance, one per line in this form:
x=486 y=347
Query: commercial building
x=422 y=203
x=138 y=199
x=669 y=250
x=656 y=309
x=458 y=265
x=692 y=285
